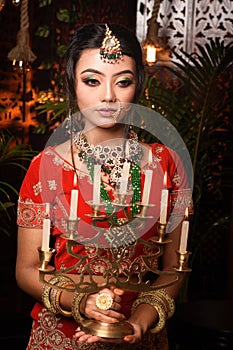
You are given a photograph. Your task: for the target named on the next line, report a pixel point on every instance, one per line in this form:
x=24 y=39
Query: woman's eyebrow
x=91 y=70
x=126 y=71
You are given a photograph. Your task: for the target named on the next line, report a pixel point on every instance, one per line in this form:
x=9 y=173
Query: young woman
x=104 y=76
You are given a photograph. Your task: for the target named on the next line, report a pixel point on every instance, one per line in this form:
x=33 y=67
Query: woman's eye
x=125 y=82
x=90 y=81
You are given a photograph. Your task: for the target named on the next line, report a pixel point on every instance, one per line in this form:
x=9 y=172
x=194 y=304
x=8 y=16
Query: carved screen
x=186 y=23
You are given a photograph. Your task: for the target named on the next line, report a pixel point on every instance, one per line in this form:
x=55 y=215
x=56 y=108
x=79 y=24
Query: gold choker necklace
x=111 y=159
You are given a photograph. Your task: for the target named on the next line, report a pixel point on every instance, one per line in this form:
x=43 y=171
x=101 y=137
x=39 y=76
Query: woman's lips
x=106 y=112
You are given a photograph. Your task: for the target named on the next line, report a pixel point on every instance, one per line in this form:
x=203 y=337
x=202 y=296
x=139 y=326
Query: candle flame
x=75 y=180
x=186 y=215
x=165 y=180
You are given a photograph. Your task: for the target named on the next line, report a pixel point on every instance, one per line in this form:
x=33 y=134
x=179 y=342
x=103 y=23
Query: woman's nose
x=108 y=94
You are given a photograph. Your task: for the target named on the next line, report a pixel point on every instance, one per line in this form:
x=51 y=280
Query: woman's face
x=103 y=88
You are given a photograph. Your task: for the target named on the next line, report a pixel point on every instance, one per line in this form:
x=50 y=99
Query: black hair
x=90 y=36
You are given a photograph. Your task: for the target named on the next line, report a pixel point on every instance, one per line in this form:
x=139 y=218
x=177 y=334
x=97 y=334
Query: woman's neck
x=99 y=135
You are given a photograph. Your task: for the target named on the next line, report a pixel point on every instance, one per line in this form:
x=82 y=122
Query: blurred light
x=22 y=65
x=2 y=4
x=150 y=54
x=16 y=2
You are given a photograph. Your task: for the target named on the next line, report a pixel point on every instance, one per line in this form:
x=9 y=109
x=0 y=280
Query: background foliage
x=200 y=105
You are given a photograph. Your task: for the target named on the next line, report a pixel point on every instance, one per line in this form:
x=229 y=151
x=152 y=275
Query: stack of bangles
x=163 y=303
x=51 y=297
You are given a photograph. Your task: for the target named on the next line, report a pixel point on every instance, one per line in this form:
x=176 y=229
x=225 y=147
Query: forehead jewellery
x=110 y=50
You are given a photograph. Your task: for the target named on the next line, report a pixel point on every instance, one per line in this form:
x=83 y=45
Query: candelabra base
x=107 y=330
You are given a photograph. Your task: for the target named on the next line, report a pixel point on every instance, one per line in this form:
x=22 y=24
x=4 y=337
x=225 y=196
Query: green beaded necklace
x=135 y=173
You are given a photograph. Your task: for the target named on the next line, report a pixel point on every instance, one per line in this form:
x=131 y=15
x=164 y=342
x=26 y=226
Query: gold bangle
x=75 y=307
x=49 y=294
x=57 y=302
x=164 y=297
x=46 y=294
x=157 y=303
x=151 y=296
x=162 y=319
x=170 y=301
x=45 y=297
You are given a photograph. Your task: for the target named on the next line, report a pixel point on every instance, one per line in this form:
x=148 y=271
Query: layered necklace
x=112 y=160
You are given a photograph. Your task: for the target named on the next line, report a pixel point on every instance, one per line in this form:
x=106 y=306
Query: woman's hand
x=90 y=310
x=89 y=338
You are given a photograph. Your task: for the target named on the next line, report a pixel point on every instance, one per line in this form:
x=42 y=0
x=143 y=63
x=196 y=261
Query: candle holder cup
x=45 y=257
x=96 y=210
x=144 y=211
x=182 y=260
x=72 y=228
x=160 y=238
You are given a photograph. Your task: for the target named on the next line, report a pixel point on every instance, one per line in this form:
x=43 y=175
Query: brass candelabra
x=132 y=279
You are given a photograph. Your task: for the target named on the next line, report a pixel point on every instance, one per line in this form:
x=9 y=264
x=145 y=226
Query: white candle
x=164 y=202
x=184 y=233
x=73 y=204
x=124 y=178
x=74 y=201
x=127 y=149
x=45 y=235
x=96 y=184
x=147 y=187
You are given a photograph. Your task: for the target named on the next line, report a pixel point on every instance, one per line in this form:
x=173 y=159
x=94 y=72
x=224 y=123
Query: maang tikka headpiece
x=110 y=50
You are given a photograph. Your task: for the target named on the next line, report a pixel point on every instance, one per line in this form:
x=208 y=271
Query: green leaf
x=43 y=31
x=43 y=3
x=46 y=65
x=63 y=15
x=58 y=107
x=61 y=50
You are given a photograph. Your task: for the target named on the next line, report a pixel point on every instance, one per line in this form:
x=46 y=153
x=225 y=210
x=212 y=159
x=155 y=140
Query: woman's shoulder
x=54 y=156
x=160 y=149
x=164 y=155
